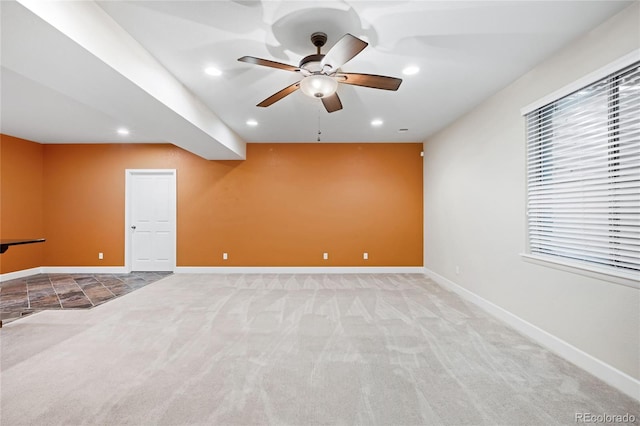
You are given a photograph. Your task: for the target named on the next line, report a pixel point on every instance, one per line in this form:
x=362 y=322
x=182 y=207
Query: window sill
x=625 y=279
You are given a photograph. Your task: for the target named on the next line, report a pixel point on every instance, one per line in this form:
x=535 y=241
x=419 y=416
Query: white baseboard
x=84 y=270
x=20 y=274
x=605 y=372
x=299 y=270
x=63 y=270
x=220 y=270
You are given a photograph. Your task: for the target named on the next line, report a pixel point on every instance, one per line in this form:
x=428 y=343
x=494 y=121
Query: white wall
x=474 y=204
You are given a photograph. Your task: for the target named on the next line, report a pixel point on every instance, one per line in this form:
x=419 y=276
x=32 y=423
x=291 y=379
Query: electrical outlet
x=100 y=256
x=457 y=270
x=225 y=256
x=365 y=255
x=325 y=256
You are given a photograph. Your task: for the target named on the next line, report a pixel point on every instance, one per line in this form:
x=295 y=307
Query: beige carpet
x=291 y=350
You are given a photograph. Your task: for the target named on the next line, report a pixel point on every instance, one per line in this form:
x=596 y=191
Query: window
x=583 y=176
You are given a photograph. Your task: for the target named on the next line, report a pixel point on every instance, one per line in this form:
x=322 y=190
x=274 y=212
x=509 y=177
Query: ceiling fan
x=321 y=73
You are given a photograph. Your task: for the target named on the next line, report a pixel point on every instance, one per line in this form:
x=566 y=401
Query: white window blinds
x=583 y=169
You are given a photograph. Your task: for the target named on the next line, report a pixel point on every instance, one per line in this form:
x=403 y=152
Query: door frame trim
x=129 y=173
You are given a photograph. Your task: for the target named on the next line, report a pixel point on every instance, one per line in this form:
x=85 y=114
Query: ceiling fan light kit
x=318 y=85
x=320 y=72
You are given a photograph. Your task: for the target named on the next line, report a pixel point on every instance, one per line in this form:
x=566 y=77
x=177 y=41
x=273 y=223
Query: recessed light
x=213 y=71
x=411 y=70
x=123 y=132
x=252 y=123
x=377 y=122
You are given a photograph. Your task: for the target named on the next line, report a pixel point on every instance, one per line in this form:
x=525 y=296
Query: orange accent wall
x=284 y=206
x=21 y=198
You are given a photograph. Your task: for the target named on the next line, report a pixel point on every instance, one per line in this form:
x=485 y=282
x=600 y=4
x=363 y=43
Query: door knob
x=133 y=227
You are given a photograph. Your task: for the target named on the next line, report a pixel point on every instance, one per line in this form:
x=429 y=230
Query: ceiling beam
x=184 y=120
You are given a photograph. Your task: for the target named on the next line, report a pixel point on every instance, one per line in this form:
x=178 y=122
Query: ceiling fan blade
x=279 y=95
x=268 y=63
x=332 y=103
x=343 y=51
x=370 y=80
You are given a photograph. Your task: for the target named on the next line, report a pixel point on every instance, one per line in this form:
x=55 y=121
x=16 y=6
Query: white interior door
x=152 y=219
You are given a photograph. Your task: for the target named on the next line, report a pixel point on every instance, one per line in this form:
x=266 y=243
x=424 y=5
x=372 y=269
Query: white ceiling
x=76 y=71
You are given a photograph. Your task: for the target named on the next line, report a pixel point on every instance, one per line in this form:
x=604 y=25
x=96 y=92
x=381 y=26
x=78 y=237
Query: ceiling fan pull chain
x=319 y=132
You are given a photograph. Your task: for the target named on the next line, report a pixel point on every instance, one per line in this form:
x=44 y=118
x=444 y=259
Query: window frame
x=583 y=268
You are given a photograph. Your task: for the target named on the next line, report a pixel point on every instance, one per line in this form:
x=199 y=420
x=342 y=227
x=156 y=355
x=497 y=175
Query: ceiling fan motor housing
x=311 y=63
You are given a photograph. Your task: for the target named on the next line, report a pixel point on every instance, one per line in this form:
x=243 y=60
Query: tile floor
x=24 y=296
